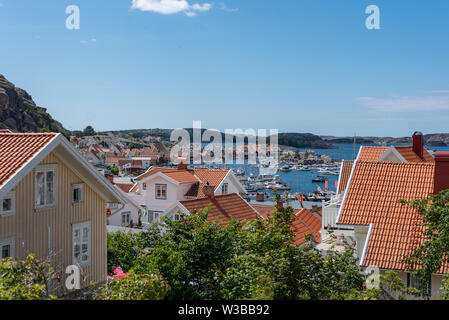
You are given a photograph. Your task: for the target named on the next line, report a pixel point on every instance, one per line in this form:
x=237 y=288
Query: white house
x=159 y=189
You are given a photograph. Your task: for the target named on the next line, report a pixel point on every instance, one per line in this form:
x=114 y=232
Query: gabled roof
x=180 y=176
x=410 y=155
x=204 y=176
x=304 y=223
x=20 y=153
x=223 y=208
x=372 y=200
x=371 y=153
x=345 y=173
x=16 y=149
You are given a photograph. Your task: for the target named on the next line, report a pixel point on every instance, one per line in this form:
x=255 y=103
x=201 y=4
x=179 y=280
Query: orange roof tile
x=372 y=198
x=371 y=153
x=410 y=155
x=181 y=176
x=344 y=176
x=125 y=187
x=304 y=223
x=204 y=175
x=16 y=149
x=223 y=208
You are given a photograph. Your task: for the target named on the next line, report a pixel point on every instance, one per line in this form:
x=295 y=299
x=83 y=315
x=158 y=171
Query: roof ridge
x=394 y=163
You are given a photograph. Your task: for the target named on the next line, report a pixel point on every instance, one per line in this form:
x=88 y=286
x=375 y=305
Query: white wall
x=174 y=193
x=232 y=186
x=116 y=219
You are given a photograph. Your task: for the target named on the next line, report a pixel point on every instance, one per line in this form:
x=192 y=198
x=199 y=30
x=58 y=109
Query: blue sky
x=292 y=65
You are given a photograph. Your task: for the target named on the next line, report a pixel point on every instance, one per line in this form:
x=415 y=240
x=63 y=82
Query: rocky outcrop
x=19 y=113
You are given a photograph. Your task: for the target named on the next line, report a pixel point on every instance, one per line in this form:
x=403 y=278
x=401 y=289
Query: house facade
x=53 y=204
x=159 y=189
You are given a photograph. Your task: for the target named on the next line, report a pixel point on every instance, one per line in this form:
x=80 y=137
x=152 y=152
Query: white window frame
x=155 y=216
x=12 y=196
x=156 y=188
x=223 y=187
x=81 y=226
x=46 y=168
x=79 y=186
x=128 y=215
x=5 y=242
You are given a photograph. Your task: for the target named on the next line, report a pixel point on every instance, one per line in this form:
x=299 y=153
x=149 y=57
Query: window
x=125 y=219
x=153 y=217
x=81 y=243
x=45 y=187
x=77 y=193
x=144 y=186
x=177 y=217
x=415 y=282
x=7 y=248
x=224 y=188
x=161 y=191
x=7 y=205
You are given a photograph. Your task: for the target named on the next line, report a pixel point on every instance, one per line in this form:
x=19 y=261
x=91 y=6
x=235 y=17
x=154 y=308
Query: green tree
x=206 y=260
x=433 y=252
x=89 y=131
x=25 y=279
x=123 y=250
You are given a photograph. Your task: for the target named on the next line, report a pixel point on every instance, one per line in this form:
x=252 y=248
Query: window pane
x=6 y=251
x=85 y=234
x=76 y=236
x=49 y=191
x=7 y=205
x=40 y=188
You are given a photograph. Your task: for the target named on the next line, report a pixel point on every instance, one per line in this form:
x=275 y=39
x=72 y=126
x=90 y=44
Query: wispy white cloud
x=406 y=103
x=93 y=40
x=171 y=6
x=224 y=7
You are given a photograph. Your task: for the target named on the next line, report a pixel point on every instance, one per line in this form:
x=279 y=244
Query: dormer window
x=45 y=186
x=7 y=205
x=224 y=188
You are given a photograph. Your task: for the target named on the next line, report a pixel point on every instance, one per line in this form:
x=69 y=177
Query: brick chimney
x=441 y=178
x=182 y=166
x=418 y=144
x=209 y=190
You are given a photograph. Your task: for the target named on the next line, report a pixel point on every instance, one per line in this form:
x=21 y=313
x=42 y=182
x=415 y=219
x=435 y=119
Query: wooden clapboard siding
x=29 y=227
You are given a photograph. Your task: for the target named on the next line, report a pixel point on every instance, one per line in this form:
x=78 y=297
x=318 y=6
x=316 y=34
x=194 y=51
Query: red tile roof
x=181 y=176
x=204 y=175
x=223 y=208
x=304 y=223
x=371 y=153
x=16 y=149
x=125 y=187
x=410 y=155
x=344 y=176
x=372 y=198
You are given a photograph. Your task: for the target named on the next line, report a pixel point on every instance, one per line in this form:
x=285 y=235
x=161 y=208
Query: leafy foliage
x=433 y=253
x=206 y=260
x=135 y=287
x=25 y=280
